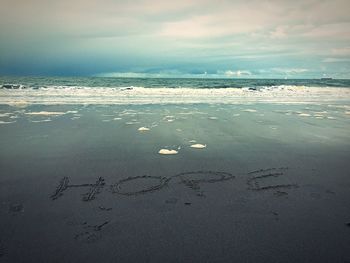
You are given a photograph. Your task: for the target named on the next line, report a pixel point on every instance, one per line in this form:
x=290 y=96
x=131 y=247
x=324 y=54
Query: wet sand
x=271 y=185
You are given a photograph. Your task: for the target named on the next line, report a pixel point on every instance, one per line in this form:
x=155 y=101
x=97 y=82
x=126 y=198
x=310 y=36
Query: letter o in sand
x=117 y=187
x=204 y=176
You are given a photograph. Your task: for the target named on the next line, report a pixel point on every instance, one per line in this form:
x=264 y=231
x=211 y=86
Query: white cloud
x=335 y=60
x=290 y=70
x=175 y=73
x=341 y=51
x=128 y=35
x=279 y=32
x=238 y=73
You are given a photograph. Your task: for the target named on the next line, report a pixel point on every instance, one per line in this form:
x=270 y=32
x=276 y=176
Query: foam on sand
x=46 y=120
x=167 y=152
x=45 y=113
x=143 y=129
x=18 y=103
x=304 y=115
x=131 y=122
x=6 y=122
x=198 y=146
x=169 y=118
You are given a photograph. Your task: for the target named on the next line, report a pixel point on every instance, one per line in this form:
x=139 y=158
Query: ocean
x=56 y=91
x=174 y=170
x=37 y=82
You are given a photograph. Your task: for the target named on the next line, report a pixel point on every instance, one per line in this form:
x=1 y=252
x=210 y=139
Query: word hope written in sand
x=258 y=180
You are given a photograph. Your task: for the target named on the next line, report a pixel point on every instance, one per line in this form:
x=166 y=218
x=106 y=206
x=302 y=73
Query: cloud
x=88 y=37
x=279 y=32
x=238 y=73
x=288 y=71
x=345 y=51
x=180 y=74
x=336 y=60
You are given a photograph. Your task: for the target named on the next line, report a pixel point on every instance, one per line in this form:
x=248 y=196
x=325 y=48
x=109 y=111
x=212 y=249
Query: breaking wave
x=13 y=94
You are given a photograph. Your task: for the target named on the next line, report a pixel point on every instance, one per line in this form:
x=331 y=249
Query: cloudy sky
x=182 y=38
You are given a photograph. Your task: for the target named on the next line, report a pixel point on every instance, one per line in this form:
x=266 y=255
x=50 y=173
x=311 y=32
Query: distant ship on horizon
x=326 y=78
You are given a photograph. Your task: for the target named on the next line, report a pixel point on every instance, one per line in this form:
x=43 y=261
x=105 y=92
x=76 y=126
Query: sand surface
x=268 y=188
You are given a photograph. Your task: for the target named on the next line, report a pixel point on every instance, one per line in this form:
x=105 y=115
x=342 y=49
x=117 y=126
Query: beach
x=170 y=175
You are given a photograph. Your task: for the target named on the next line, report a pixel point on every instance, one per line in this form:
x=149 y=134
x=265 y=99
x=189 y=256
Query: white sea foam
x=45 y=113
x=131 y=122
x=139 y=95
x=249 y=110
x=198 y=146
x=46 y=120
x=18 y=102
x=7 y=122
x=167 y=152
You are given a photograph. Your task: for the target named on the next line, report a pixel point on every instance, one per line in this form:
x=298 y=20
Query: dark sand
x=86 y=187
